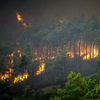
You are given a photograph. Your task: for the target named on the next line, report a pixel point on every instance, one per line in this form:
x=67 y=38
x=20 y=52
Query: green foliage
x=55 y=98
x=79 y=88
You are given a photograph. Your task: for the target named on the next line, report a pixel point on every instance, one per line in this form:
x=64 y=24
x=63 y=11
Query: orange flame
x=86 y=52
x=93 y=54
x=6 y=75
x=19 y=17
x=40 y=69
x=20 y=78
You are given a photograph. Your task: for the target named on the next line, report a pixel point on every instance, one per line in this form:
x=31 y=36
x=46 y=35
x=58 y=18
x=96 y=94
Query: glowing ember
x=24 y=24
x=19 y=17
x=93 y=54
x=21 y=20
x=85 y=51
x=19 y=54
x=70 y=54
x=11 y=58
x=20 y=78
x=6 y=75
x=40 y=69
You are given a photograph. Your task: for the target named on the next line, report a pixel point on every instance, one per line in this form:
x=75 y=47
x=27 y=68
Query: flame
x=86 y=52
x=19 y=17
x=6 y=75
x=40 y=69
x=20 y=78
x=93 y=54
x=21 y=20
x=79 y=49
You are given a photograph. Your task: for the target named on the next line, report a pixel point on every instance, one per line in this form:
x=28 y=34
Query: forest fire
x=92 y=54
x=80 y=49
x=83 y=50
x=6 y=75
x=20 y=78
x=40 y=69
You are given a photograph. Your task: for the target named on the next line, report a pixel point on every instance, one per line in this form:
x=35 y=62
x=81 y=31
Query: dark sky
x=40 y=10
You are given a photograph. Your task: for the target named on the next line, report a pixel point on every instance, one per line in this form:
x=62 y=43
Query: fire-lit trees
x=48 y=52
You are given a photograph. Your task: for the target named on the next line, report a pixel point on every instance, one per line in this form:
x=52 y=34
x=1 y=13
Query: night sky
x=39 y=10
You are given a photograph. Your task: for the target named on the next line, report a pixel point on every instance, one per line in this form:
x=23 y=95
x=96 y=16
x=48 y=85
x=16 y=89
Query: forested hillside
x=36 y=61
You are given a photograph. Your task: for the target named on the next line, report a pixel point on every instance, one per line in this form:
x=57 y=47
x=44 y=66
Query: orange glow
x=6 y=75
x=85 y=51
x=24 y=24
x=40 y=69
x=21 y=20
x=19 y=17
x=20 y=78
x=93 y=54
x=11 y=58
x=80 y=49
x=70 y=54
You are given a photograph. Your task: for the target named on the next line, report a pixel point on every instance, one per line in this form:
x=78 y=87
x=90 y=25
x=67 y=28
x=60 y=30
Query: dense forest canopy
x=52 y=46
x=54 y=32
